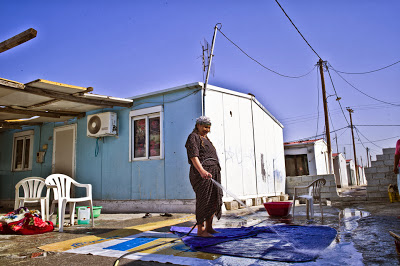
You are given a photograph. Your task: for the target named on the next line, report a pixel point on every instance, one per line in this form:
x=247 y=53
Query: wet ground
x=362 y=239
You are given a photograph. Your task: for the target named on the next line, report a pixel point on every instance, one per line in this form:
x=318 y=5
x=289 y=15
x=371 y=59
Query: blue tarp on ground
x=287 y=243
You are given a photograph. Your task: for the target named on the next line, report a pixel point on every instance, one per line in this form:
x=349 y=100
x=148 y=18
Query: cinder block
x=307 y=178
x=374 y=182
x=372 y=189
x=378 y=176
x=266 y=199
x=389 y=162
x=231 y=205
x=383 y=188
x=370 y=170
x=284 y=197
x=384 y=169
x=376 y=163
x=389 y=150
x=257 y=201
x=274 y=198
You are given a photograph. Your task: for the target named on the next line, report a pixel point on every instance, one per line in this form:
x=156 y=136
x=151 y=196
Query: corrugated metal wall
x=249 y=145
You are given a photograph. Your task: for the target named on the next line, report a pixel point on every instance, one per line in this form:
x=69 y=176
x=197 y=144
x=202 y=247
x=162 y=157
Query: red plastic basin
x=278 y=208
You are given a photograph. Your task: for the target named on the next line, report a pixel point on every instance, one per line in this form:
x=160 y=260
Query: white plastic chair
x=33 y=187
x=61 y=185
x=314 y=192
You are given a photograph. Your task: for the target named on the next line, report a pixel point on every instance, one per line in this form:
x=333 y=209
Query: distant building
x=308 y=157
x=340 y=170
x=351 y=172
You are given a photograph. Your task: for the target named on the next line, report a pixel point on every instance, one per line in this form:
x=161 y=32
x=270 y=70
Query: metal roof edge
x=181 y=87
x=305 y=143
x=247 y=96
x=55 y=83
x=267 y=112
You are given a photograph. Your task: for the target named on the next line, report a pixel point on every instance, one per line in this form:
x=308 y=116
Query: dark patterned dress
x=208 y=195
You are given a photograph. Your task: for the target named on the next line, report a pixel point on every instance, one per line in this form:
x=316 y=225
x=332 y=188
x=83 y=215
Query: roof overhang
x=46 y=101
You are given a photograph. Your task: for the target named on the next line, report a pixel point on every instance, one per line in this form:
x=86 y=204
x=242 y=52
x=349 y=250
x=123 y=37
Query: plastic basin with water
x=279 y=209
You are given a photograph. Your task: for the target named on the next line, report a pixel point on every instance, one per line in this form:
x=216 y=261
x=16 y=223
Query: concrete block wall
x=380 y=175
x=328 y=192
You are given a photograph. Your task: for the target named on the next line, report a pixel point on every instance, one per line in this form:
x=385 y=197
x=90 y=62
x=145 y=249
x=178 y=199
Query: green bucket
x=96 y=210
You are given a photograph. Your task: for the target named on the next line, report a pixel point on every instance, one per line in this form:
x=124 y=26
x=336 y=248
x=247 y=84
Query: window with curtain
x=146 y=133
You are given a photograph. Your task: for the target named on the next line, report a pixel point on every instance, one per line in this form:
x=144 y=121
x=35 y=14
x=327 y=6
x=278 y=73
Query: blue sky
x=126 y=48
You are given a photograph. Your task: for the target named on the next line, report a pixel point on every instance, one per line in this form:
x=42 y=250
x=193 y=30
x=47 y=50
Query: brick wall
x=327 y=192
x=380 y=175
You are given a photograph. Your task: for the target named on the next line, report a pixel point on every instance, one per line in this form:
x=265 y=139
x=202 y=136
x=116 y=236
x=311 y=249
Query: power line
x=337 y=97
x=297 y=29
x=362 y=91
x=273 y=71
x=371 y=71
x=378 y=125
x=320 y=135
x=367 y=138
x=375 y=140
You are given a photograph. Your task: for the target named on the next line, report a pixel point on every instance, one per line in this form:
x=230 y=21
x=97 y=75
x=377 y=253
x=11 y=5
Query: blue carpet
x=286 y=243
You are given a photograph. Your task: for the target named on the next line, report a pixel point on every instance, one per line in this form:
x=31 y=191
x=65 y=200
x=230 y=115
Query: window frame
x=146 y=113
x=23 y=135
x=304 y=159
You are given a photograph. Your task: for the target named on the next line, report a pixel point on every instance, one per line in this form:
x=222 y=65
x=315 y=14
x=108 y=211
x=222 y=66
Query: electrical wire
x=396 y=137
x=378 y=125
x=362 y=91
x=297 y=29
x=273 y=71
x=320 y=135
x=367 y=138
x=367 y=72
x=337 y=97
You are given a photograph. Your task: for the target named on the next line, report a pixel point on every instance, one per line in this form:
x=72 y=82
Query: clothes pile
x=25 y=222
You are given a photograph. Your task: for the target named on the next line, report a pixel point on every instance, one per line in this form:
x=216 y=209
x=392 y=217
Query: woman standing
x=204 y=165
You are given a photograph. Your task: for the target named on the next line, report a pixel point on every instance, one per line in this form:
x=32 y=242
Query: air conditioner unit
x=102 y=124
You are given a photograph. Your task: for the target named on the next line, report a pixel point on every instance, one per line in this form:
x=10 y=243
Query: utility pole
x=328 y=134
x=368 y=161
x=18 y=39
x=337 y=147
x=354 y=145
x=209 y=66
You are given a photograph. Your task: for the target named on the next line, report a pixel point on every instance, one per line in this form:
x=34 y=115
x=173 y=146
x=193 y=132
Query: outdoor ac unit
x=103 y=124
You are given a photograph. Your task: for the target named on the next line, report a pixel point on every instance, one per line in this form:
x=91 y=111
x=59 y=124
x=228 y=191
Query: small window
x=22 y=151
x=146 y=134
x=296 y=165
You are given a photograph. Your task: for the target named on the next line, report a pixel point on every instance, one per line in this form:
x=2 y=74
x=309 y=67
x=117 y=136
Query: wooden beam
x=9 y=83
x=49 y=113
x=18 y=39
x=28 y=112
x=71 y=98
x=43 y=103
x=8 y=126
x=106 y=103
